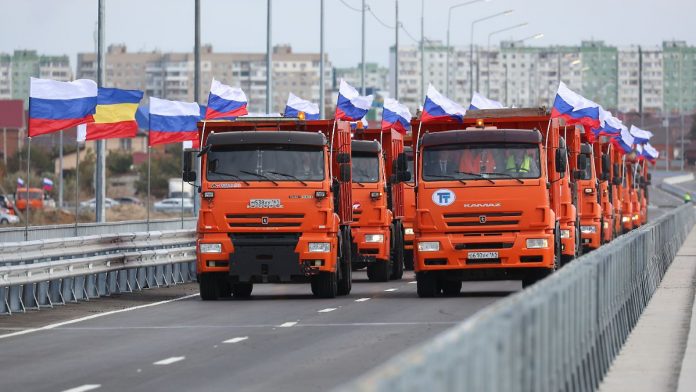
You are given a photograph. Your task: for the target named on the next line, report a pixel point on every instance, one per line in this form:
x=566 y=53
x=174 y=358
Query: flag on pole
x=173 y=121
x=47 y=184
x=297 y=105
x=608 y=124
x=395 y=116
x=20 y=182
x=225 y=102
x=437 y=107
x=576 y=109
x=115 y=116
x=478 y=102
x=624 y=141
x=351 y=106
x=54 y=106
x=641 y=135
x=650 y=153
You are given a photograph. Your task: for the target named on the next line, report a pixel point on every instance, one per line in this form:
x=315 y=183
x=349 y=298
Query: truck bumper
x=455 y=251
x=591 y=239
x=368 y=252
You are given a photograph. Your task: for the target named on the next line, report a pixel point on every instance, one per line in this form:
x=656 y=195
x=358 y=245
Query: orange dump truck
x=488 y=198
x=590 y=199
x=409 y=209
x=602 y=160
x=276 y=205
x=377 y=228
x=36 y=197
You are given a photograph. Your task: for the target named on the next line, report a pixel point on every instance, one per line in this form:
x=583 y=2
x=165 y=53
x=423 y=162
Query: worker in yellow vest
x=687 y=197
x=518 y=162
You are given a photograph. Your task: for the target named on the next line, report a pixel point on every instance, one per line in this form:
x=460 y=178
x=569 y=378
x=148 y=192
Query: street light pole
x=362 y=61
x=196 y=96
x=100 y=183
x=322 y=82
x=396 y=51
x=269 y=60
x=449 y=49
x=488 y=52
x=422 y=52
x=471 y=48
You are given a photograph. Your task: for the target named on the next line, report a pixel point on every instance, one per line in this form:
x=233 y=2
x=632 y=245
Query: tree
x=118 y=162
x=164 y=166
x=41 y=160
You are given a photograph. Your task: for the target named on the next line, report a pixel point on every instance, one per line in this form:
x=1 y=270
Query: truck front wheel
x=397 y=253
x=345 y=280
x=427 y=286
x=325 y=285
x=211 y=286
x=379 y=271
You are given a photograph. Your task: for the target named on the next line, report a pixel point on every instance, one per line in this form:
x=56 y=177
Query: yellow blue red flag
x=115 y=115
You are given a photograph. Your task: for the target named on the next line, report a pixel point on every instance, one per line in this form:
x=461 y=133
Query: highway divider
x=560 y=334
x=45 y=273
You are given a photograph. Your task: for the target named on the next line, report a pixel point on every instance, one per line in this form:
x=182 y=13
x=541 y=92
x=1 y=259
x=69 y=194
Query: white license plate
x=482 y=255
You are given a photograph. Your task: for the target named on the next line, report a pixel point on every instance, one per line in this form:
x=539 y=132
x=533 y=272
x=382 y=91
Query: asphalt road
x=281 y=339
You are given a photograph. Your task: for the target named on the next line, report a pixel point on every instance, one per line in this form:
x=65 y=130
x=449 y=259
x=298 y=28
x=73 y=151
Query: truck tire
x=241 y=290
x=397 y=253
x=427 y=286
x=345 y=280
x=325 y=285
x=209 y=285
x=408 y=260
x=379 y=271
x=450 y=288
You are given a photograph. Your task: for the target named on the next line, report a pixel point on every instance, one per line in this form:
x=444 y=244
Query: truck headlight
x=429 y=246
x=408 y=231
x=319 y=247
x=589 y=190
x=537 y=243
x=211 y=248
x=635 y=217
x=565 y=233
x=588 y=229
x=625 y=219
x=606 y=225
x=374 y=237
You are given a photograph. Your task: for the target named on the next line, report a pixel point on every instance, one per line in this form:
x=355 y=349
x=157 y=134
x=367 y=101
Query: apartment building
x=17 y=69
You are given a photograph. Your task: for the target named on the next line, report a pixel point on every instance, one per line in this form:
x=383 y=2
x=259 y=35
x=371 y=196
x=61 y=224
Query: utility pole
x=196 y=93
x=422 y=52
x=396 y=52
x=640 y=84
x=269 y=62
x=681 y=106
x=100 y=183
x=60 y=170
x=362 y=66
x=322 y=82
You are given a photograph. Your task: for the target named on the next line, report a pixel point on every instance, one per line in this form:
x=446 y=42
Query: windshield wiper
x=477 y=175
x=229 y=174
x=289 y=176
x=443 y=176
x=508 y=176
x=259 y=176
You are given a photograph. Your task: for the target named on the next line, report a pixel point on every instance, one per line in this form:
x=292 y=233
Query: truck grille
x=483 y=245
x=264 y=220
x=482 y=220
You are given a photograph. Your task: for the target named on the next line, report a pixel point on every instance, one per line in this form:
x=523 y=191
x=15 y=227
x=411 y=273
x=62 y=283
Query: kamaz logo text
x=482 y=205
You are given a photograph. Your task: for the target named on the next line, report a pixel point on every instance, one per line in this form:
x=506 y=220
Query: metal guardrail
x=559 y=335
x=41 y=274
x=16 y=234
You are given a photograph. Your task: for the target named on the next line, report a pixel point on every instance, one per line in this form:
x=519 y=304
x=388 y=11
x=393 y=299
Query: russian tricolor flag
x=173 y=121
x=351 y=106
x=225 y=102
x=20 y=182
x=47 y=184
x=641 y=135
x=608 y=124
x=437 y=107
x=395 y=116
x=115 y=116
x=624 y=141
x=479 y=102
x=54 y=106
x=576 y=109
x=650 y=153
x=297 y=105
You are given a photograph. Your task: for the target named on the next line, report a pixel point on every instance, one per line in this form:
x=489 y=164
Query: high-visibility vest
x=524 y=167
x=687 y=197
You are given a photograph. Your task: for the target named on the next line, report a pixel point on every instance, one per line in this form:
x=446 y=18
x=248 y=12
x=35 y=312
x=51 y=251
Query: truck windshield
x=365 y=167
x=22 y=195
x=409 y=165
x=265 y=163
x=587 y=173
x=481 y=161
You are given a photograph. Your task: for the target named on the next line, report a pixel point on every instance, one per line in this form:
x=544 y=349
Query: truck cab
x=409 y=210
x=487 y=194
x=590 y=196
x=602 y=159
x=275 y=206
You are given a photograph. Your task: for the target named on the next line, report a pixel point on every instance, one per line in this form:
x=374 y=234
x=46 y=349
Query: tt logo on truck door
x=443 y=197
x=482 y=219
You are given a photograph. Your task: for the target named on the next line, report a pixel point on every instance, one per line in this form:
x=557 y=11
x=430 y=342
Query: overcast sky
x=68 y=26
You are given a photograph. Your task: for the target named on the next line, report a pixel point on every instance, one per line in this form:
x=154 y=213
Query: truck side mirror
x=561 y=160
x=403 y=176
x=401 y=162
x=582 y=162
x=188 y=174
x=617 y=180
x=342 y=157
x=344 y=172
x=606 y=163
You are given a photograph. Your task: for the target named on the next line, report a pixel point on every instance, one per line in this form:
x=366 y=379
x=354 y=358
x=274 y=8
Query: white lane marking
x=93 y=316
x=412 y=282
x=83 y=388
x=391 y=289
x=236 y=340
x=327 y=310
x=169 y=361
x=288 y=324
x=361 y=299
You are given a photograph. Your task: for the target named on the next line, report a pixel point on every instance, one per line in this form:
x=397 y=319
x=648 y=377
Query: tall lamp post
x=488 y=53
x=471 y=47
x=449 y=22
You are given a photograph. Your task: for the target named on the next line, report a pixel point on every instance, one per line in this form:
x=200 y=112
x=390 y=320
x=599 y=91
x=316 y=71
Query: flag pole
x=26 y=213
x=182 y=187
x=149 y=153
x=331 y=144
x=77 y=185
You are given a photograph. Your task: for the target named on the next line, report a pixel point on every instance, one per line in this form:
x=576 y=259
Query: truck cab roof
x=268 y=137
x=365 y=146
x=481 y=136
